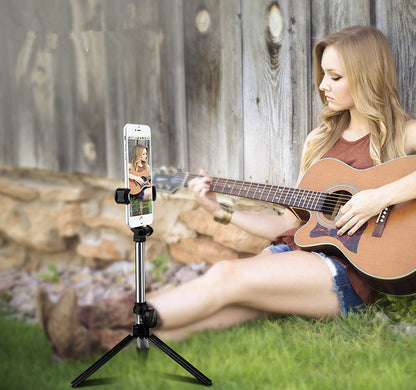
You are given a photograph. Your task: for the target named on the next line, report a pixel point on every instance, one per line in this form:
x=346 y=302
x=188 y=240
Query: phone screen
x=138 y=172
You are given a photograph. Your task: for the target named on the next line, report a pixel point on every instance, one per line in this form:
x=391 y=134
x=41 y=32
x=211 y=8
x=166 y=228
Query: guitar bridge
x=381 y=222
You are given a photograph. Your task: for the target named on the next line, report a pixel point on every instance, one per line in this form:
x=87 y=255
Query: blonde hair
x=137 y=157
x=369 y=68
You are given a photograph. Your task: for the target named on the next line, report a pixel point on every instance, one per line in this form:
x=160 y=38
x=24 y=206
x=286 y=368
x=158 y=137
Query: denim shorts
x=348 y=299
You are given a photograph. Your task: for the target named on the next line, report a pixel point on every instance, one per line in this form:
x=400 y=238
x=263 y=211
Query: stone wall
x=72 y=220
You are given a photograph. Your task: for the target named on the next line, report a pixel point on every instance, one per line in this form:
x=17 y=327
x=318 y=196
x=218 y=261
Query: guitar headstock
x=168 y=179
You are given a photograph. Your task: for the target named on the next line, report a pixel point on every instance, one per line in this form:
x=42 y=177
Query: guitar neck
x=284 y=196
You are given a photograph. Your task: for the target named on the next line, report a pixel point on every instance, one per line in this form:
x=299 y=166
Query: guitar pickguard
x=349 y=242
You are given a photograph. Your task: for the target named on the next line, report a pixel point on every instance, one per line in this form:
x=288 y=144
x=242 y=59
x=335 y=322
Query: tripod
x=146 y=318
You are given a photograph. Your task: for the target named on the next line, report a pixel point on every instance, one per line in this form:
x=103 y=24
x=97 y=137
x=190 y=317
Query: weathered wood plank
x=231 y=90
x=328 y=16
x=64 y=104
x=396 y=19
x=275 y=78
x=141 y=71
x=23 y=44
x=171 y=147
x=89 y=105
x=114 y=102
x=7 y=128
x=213 y=85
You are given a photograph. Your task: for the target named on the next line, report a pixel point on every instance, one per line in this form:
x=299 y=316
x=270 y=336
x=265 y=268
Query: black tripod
x=145 y=318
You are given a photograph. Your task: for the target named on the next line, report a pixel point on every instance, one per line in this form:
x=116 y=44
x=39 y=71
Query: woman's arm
x=133 y=177
x=263 y=225
x=136 y=178
x=366 y=204
x=267 y=226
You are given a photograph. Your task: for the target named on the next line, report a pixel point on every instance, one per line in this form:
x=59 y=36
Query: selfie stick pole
x=146 y=318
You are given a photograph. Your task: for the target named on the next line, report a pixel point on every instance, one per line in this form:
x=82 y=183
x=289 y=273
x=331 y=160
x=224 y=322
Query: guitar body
x=384 y=251
x=135 y=187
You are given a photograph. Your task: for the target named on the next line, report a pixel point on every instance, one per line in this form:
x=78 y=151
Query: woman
x=138 y=163
x=363 y=125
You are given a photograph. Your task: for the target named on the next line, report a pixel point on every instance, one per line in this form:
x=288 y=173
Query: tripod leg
x=180 y=360
x=104 y=359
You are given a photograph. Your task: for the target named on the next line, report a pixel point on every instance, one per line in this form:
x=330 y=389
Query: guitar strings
x=328 y=200
x=283 y=191
x=310 y=195
x=304 y=193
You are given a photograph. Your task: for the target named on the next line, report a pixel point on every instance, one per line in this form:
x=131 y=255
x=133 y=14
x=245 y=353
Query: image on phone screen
x=139 y=174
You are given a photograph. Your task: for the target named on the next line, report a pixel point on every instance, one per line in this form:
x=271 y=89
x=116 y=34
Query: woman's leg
x=287 y=283
x=225 y=318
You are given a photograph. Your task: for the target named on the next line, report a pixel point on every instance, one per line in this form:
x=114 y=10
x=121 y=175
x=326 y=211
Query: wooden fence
x=224 y=84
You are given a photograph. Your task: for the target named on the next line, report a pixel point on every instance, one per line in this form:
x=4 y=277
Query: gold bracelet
x=227 y=214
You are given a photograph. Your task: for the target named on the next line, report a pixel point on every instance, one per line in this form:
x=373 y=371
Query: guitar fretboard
x=285 y=196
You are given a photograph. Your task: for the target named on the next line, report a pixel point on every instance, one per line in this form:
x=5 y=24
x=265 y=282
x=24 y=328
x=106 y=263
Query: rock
x=122 y=268
x=62 y=193
x=69 y=259
x=380 y=317
x=12 y=256
x=101 y=221
x=17 y=190
x=8 y=280
x=104 y=250
x=165 y=218
x=108 y=214
x=405 y=328
x=185 y=274
x=227 y=235
x=70 y=219
x=33 y=227
x=197 y=250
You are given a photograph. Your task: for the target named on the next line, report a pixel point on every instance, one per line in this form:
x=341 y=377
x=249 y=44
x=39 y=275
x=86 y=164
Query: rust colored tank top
x=354 y=153
x=357 y=155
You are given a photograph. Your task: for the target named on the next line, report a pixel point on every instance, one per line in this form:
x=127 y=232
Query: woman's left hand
x=359 y=209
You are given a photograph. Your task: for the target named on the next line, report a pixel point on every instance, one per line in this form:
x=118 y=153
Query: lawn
x=284 y=353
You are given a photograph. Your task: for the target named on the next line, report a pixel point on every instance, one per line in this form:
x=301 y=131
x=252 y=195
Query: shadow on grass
x=99 y=381
x=182 y=378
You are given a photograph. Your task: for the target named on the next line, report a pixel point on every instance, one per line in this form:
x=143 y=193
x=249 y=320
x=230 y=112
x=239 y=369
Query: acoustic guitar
x=135 y=186
x=383 y=249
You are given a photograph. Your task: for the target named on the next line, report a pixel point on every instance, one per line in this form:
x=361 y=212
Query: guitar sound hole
x=333 y=204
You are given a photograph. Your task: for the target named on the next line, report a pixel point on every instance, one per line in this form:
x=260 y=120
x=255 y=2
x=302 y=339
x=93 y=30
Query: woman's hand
x=359 y=209
x=200 y=191
x=137 y=179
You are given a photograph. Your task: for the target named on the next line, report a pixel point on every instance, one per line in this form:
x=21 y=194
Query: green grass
x=286 y=353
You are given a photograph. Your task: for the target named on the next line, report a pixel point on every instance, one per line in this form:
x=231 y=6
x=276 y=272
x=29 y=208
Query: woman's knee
x=226 y=282
x=220 y=273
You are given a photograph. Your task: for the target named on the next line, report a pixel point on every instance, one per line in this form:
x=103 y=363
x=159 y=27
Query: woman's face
x=144 y=155
x=334 y=83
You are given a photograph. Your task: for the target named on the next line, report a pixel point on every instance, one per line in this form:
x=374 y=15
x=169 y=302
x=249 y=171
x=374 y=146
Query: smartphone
x=138 y=174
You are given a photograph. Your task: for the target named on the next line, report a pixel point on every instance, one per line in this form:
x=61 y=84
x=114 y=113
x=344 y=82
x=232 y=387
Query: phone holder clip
x=121 y=195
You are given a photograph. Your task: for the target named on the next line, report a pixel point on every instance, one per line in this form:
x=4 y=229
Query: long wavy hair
x=136 y=158
x=369 y=68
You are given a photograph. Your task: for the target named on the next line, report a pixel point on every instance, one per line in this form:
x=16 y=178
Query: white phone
x=138 y=174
